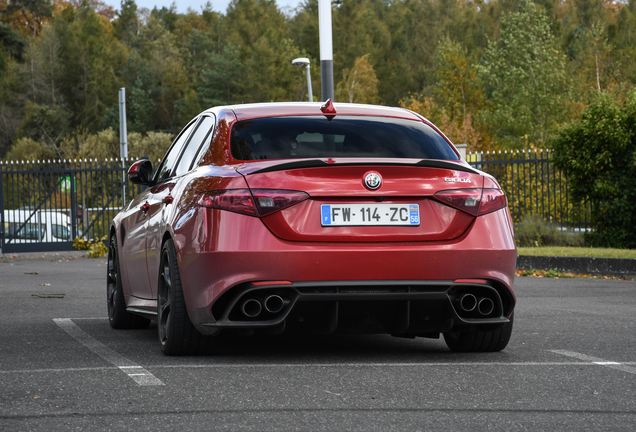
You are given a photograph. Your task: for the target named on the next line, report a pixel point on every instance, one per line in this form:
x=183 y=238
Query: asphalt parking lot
x=571 y=365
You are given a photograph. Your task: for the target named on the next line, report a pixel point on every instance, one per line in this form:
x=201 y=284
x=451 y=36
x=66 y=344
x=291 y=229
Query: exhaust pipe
x=274 y=304
x=486 y=306
x=468 y=302
x=251 y=308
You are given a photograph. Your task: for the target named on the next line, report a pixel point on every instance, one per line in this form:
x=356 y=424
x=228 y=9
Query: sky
x=183 y=5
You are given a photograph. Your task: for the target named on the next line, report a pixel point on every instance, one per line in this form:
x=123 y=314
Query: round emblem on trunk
x=373 y=180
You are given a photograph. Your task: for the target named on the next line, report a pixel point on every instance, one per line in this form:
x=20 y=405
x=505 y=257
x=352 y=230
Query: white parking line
x=140 y=375
x=134 y=369
x=597 y=361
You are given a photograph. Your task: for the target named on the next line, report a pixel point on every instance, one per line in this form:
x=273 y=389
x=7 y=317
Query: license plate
x=377 y=214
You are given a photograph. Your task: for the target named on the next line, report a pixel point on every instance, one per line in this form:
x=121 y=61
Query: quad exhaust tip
x=485 y=306
x=274 y=304
x=251 y=308
x=468 y=302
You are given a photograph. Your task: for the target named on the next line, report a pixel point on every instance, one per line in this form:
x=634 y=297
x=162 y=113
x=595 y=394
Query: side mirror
x=141 y=172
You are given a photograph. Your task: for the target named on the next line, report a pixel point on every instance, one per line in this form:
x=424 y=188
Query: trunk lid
x=341 y=185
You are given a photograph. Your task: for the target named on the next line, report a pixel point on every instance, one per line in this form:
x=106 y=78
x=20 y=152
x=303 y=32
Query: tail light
x=474 y=201
x=257 y=202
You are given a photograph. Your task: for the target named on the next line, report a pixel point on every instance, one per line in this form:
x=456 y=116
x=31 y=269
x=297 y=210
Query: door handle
x=145 y=207
x=167 y=199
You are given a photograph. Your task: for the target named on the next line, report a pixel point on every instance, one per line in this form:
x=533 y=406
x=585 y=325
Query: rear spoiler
x=318 y=163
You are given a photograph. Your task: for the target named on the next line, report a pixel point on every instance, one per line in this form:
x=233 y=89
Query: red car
x=312 y=218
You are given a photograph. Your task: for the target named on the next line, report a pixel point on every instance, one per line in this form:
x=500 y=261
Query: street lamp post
x=326 y=49
x=303 y=61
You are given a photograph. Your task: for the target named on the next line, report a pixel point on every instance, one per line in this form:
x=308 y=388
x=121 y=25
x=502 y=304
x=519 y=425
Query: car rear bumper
x=412 y=279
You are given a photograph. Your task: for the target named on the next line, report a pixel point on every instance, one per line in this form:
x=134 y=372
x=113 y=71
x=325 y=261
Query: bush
x=96 y=248
x=26 y=149
x=598 y=156
x=534 y=231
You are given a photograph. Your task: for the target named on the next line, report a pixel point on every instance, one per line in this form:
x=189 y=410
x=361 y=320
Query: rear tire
x=476 y=340
x=118 y=317
x=177 y=335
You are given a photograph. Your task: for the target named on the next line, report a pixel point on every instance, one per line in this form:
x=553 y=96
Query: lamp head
x=301 y=61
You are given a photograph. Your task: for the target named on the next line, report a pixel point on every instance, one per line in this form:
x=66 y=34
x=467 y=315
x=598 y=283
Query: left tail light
x=474 y=201
x=257 y=202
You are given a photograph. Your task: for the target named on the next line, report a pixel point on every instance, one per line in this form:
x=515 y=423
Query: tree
x=221 y=80
x=140 y=106
x=525 y=80
x=12 y=99
x=101 y=7
x=598 y=155
x=359 y=84
x=11 y=43
x=126 y=23
x=168 y=80
x=31 y=12
x=458 y=93
x=90 y=59
x=45 y=124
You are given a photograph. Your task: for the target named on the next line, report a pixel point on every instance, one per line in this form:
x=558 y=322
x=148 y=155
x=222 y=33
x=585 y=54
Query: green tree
x=168 y=83
x=457 y=87
x=126 y=23
x=359 y=29
x=525 y=80
x=47 y=124
x=12 y=99
x=140 y=106
x=220 y=81
x=359 y=84
x=10 y=44
x=258 y=30
x=90 y=59
x=598 y=154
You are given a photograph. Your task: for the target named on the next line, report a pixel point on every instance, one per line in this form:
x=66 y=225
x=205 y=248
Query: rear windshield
x=342 y=136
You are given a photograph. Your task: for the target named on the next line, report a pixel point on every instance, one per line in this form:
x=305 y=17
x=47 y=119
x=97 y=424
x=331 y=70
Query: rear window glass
x=342 y=136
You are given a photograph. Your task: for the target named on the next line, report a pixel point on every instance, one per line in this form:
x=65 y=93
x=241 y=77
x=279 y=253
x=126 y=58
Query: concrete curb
x=619 y=267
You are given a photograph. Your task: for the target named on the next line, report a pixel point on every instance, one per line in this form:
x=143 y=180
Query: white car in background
x=41 y=226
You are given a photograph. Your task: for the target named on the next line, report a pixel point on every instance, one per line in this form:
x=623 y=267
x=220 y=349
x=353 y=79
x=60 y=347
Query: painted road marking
x=597 y=361
x=313 y=365
x=140 y=375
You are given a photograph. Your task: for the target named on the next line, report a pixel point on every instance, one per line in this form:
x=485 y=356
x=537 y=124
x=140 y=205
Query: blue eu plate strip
x=326 y=214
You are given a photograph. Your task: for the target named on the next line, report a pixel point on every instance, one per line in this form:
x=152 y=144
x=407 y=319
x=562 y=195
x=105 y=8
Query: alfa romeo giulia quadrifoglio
x=313 y=218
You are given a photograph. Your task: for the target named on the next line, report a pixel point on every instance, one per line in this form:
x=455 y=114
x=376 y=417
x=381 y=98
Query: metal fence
x=534 y=186
x=45 y=205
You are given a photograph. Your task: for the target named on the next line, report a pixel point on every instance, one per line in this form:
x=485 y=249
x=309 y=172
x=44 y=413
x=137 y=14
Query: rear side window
x=28 y=231
x=170 y=159
x=60 y=232
x=342 y=136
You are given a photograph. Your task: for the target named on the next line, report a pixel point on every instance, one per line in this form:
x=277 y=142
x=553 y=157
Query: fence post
x=73 y=205
x=1 y=206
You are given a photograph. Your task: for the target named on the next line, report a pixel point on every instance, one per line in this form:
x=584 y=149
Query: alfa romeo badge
x=373 y=180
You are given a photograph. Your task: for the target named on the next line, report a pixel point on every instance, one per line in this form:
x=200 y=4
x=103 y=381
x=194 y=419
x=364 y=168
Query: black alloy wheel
x=118 y=317
x=177 y=335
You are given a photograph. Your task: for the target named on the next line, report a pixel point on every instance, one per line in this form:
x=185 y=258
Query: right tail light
x=474 y=201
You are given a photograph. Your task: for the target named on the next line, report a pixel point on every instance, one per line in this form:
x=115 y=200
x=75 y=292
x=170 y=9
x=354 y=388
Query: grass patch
x=577 y=252
x=534 y=231
x=554 y=273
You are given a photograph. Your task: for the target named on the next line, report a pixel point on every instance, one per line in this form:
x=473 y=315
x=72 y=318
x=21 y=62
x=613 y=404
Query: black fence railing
x=45 y=205
x=534 y=186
